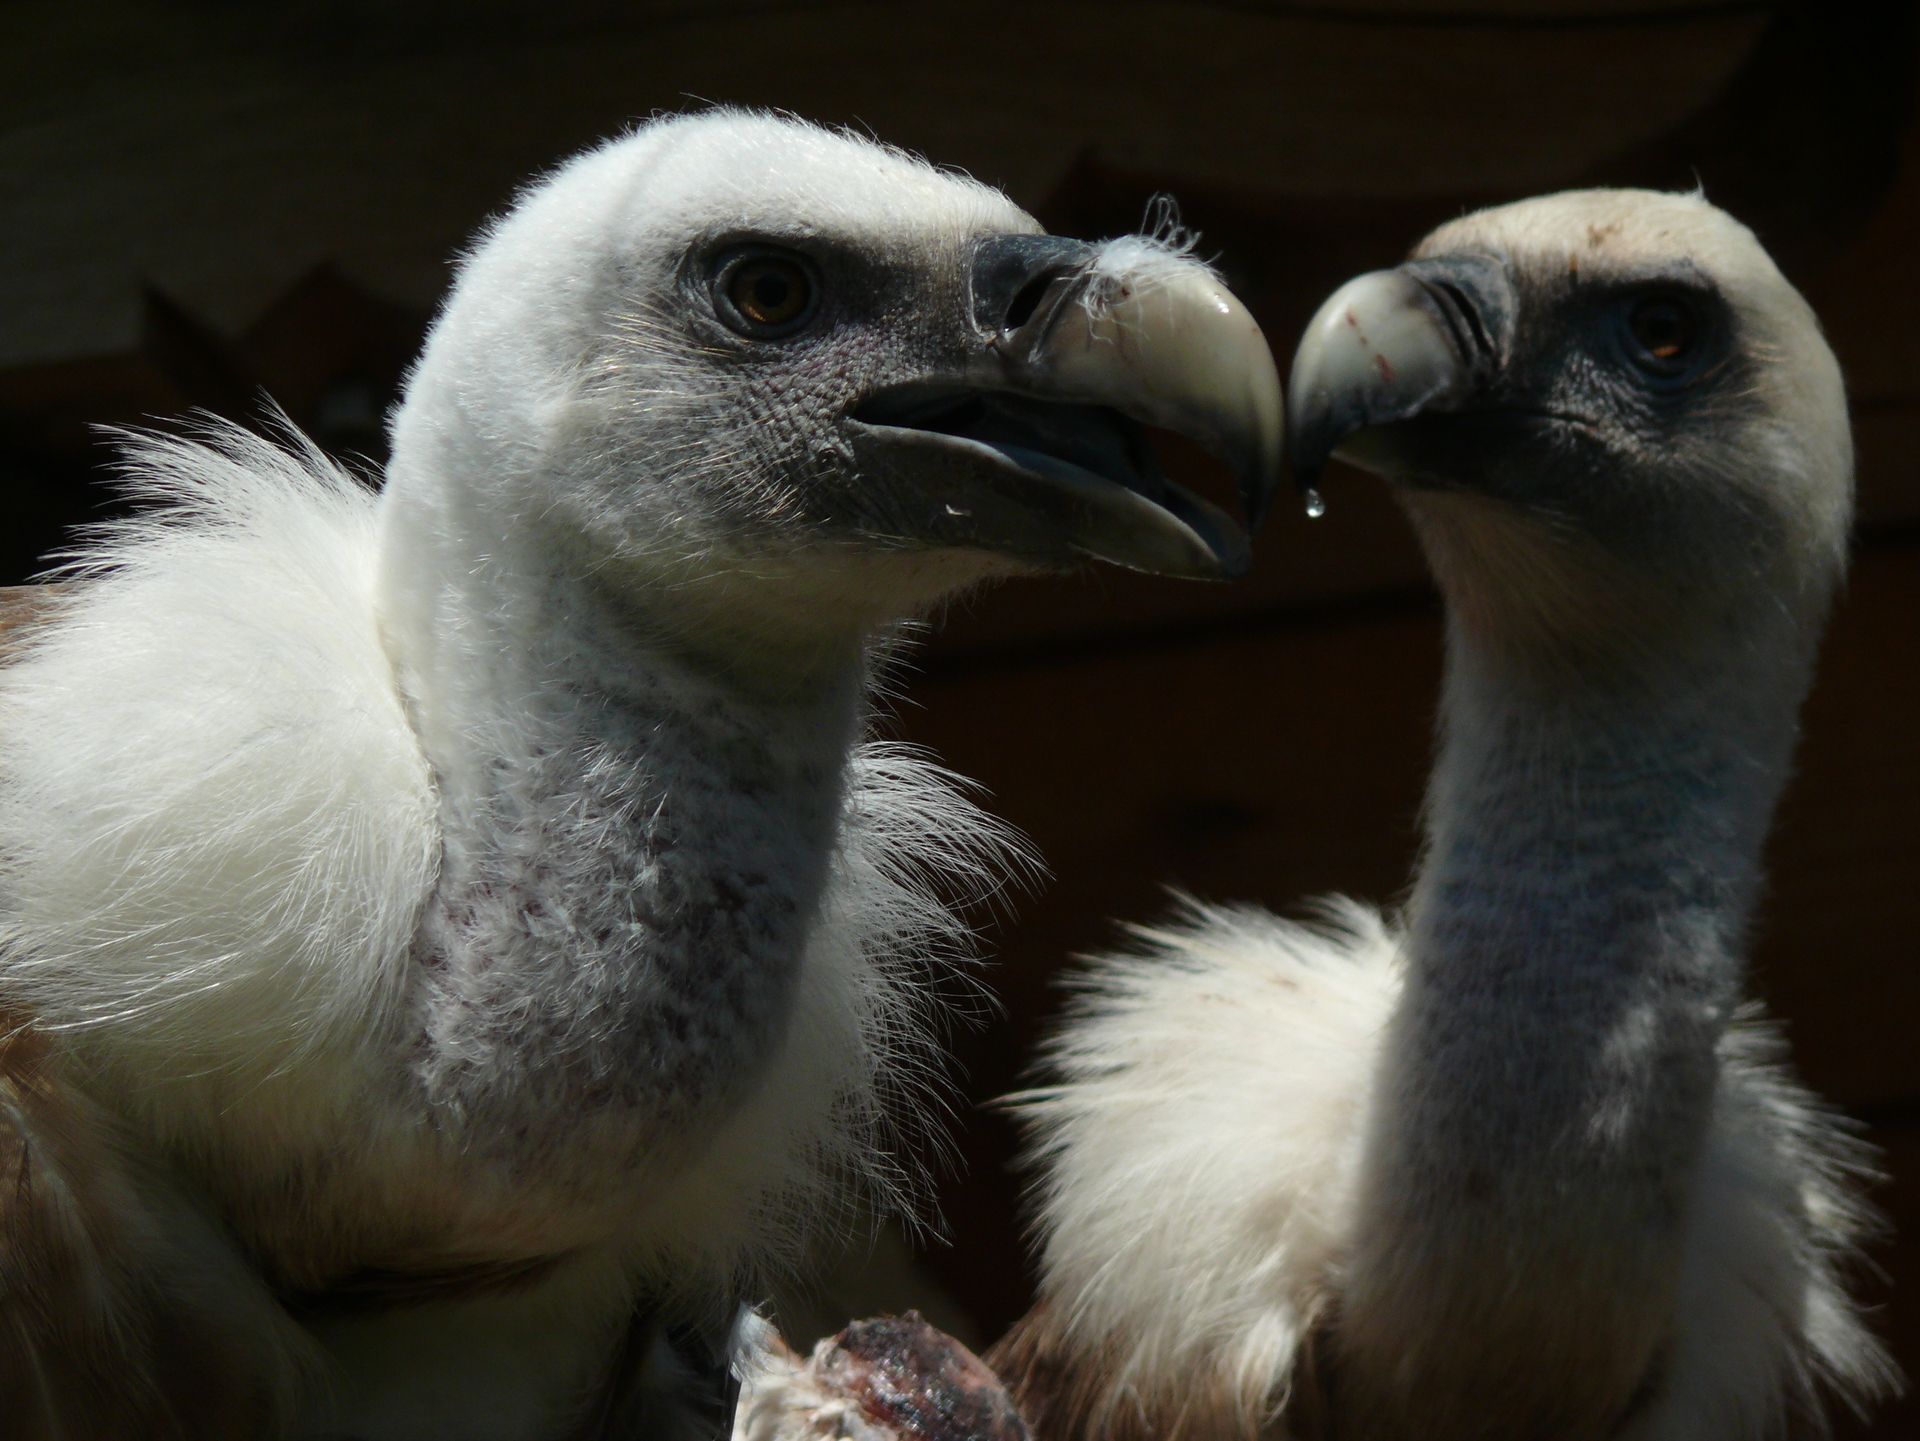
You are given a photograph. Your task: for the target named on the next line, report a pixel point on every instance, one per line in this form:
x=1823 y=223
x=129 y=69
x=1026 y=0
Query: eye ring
x=766 y=294
x=1665 y=332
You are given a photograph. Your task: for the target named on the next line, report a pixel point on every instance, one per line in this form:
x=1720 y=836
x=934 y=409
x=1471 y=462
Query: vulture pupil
x=770 y=294
x=1665 y=329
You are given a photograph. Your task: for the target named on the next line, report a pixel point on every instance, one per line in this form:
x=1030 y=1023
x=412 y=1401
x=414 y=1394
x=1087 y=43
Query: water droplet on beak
x=1316 y=507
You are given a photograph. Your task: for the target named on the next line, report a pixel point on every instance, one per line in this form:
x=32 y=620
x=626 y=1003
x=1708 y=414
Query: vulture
x=457 y=943
x=1521 y=1162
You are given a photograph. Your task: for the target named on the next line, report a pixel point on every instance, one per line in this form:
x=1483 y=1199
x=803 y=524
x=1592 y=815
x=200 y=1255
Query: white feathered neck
x=222 y=835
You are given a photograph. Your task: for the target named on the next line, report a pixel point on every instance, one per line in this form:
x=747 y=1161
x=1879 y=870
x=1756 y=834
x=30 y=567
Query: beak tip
x=1382 y=349
x=1308 y=467
x=1180 y=352
x=1310 y=443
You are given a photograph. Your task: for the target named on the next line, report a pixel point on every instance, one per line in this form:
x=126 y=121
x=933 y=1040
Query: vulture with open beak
x=456 y=944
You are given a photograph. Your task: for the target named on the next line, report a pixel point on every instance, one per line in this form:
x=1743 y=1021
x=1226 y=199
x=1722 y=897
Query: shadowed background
x=203 y=201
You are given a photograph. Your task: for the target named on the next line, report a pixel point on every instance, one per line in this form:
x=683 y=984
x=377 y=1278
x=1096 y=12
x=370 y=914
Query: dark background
x=201 y=201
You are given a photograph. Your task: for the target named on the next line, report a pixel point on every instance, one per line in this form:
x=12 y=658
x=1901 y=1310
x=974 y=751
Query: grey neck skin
x=642 y=782
x=619 y=921
x=1573 y=957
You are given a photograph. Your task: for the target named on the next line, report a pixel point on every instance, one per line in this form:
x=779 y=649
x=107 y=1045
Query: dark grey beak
x=1031 y=448
x=1428 y=336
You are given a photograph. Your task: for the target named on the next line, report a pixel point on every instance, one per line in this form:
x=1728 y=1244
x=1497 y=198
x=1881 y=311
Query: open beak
x=1430 y=336
x=1033 y=446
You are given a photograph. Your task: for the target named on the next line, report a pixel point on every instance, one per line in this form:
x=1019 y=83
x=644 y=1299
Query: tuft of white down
x=1200 y=1154
x=1140 y=265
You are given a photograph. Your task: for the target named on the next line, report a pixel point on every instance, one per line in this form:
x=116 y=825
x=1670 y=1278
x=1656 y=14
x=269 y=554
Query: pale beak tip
x=1266 y=411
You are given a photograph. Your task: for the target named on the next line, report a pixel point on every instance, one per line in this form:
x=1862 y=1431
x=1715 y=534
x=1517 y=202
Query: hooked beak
x=1429 y=336
x=1031 y=447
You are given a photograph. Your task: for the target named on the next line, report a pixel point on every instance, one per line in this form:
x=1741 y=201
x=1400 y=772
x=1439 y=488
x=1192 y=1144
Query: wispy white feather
x=216 y=820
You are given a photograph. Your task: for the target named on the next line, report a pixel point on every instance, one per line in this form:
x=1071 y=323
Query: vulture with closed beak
x=456 y=943
x=1521 y=1163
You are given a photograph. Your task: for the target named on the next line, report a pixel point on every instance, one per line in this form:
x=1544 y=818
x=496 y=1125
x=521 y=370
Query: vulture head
x=779 y=379
x=1612 y=419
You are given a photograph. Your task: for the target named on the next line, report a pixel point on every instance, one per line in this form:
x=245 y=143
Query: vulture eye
x=766 y=296
x=1665 y=330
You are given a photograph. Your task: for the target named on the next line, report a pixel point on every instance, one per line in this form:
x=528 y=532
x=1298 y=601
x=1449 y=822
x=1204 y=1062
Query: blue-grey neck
x=635 y=848
x=1575 y=936
x=1573 y=954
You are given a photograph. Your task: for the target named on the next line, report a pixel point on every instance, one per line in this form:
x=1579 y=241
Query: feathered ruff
x=217 y=834
x=1198 y=1159
x=833 y=1137
x=216 y=825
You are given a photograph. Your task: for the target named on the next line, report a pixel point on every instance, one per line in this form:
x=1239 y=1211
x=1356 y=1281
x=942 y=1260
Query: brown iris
x=770 y=292
x=1664 y=328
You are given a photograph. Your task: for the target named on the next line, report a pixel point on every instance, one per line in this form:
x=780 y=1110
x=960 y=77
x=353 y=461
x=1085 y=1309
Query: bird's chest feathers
x=610 y=955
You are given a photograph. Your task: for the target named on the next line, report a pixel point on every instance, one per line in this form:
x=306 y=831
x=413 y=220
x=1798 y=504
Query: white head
x=1615 y=423
x=745 y=371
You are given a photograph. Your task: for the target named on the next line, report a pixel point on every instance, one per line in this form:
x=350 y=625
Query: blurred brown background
x=201 y=201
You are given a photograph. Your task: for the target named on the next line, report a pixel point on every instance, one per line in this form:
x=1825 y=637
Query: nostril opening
x=1028 y=299
x=1466 y=314
x=1465 y=324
